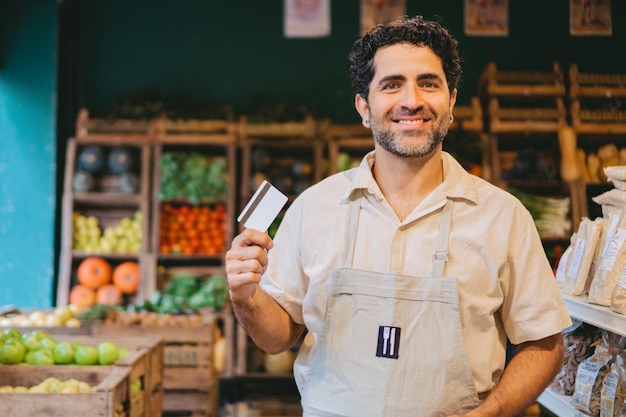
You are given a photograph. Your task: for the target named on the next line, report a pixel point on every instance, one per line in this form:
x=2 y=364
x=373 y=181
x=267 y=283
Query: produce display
x=551 y=214
x=38 y=347
x=101 y=283
x=188 y=229
x=59 y=316
x=192 y=176
x=178 y=304
x=106 y=169
x=125 y=237
x=51 y=385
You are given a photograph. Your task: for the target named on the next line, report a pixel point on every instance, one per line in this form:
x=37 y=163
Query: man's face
x=409 y=107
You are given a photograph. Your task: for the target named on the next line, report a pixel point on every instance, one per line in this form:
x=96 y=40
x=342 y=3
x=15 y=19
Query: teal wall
x=27 y=151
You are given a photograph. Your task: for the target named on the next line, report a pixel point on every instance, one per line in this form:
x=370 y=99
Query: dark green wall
x=226 y=52
x=27 y=151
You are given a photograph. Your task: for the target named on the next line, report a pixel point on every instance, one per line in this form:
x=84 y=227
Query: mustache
x=422 y=113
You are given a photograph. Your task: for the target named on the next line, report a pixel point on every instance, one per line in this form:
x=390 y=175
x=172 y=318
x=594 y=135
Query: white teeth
x=410 y=122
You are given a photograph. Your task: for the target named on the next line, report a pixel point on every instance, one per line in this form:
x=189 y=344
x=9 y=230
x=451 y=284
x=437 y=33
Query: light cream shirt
x=506 y=284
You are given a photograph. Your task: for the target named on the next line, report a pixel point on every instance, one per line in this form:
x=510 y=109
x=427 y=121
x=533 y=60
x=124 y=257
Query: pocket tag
x=388 y=342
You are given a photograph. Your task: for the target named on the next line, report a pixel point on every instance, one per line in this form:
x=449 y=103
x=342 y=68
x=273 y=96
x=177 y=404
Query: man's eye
x=429 y=85
x=391 y=86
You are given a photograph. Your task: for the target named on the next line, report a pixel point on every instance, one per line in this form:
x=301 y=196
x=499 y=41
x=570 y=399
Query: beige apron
x=391 y=344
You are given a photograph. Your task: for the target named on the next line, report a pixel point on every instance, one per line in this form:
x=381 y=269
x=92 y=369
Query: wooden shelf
x=595 y=84
x=500 y=83
x=599 y=316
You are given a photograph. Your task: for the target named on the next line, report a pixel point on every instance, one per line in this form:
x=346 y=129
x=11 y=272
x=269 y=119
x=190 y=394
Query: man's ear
x=453 y=100
x=363 y=108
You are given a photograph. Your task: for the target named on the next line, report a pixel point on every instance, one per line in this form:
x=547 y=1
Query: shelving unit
x=525 y=112
x=596 y=102
x=291 y=157
x=599 y=316
x=103 y=198
x=211 y=141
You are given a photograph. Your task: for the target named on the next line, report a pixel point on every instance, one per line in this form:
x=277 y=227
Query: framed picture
x=307 y=18
x=486 y=17
x=590 y=17
x=374 y=12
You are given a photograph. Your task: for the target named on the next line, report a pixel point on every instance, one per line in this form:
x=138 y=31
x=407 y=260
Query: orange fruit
x=82 y=296
x=126 y=277
x=94 y=272
x=108 y=294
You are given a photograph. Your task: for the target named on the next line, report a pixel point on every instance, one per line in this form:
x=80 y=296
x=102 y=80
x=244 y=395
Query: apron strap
x=440 y=257
x=352 y=224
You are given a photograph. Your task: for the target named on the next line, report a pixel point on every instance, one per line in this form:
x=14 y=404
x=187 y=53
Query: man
x=407 y=273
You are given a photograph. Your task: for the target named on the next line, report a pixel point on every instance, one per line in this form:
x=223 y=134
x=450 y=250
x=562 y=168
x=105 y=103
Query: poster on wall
x=590 y=17
x=374 y=12
x=307 y=18
x=486 y=17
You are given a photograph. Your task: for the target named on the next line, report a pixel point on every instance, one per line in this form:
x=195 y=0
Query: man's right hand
x=246 y=261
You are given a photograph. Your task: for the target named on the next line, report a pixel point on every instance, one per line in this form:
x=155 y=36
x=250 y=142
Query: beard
x=410 y=144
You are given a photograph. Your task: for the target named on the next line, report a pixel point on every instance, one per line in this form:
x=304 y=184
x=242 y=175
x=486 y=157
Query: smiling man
x=406 y=274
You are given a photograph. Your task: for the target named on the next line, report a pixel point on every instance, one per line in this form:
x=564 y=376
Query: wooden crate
x=189 y=379
x=110 y=392
x=108 y=207
x=145 y=362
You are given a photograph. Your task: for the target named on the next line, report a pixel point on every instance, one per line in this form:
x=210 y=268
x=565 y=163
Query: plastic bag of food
x=613 y=392
x=616 y=171
x=579 y=262
x=618 y=184
x=618 y=297
x=591 y=373
x=610 y=260
x=563 y=261
x=579 y=341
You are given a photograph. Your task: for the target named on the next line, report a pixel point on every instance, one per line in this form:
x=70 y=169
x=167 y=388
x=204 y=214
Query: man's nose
x=412 y=97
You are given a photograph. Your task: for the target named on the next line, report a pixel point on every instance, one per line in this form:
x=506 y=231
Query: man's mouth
x=410 y=122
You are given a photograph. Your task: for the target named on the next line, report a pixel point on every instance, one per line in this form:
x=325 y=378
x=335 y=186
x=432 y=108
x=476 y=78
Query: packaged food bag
x=579 y=262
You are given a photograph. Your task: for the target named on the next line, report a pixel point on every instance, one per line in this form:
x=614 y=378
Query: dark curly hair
x=412 y=30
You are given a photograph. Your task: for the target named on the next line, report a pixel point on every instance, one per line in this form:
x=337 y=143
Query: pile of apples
x=38 y=347
x=51 y=384
x=125 y=237
x=66 y=316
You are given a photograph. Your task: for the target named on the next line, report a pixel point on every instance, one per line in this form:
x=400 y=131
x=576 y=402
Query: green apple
x=108 y=353
x=28 y=357
x=31 y=341
x=12 y=333
x=12 y=352
x=48 y=342
x=86 y=355
x=63 y=353
x=136 y=386
x=121 y=352
x=43 y=356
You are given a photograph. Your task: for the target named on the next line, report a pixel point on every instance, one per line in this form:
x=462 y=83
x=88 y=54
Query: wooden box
x=110 y=395
x=144 y=361
x=189 y=378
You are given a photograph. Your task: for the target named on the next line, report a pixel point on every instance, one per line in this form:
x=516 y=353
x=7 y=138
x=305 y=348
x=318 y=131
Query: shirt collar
x=457 y=182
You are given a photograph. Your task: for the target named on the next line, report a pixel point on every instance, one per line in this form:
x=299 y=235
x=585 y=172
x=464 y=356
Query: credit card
x=263 y=207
